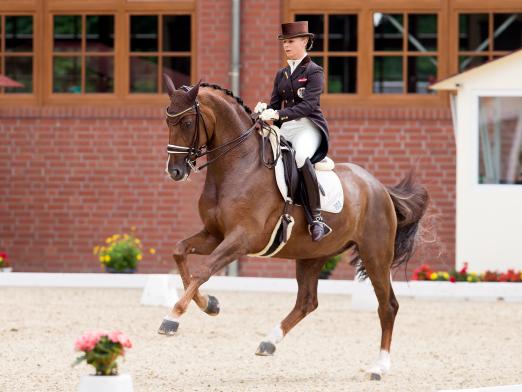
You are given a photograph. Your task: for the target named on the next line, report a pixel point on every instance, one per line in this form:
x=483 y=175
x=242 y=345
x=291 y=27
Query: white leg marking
x=275 y=335
x=170 y=318
x=382 y=365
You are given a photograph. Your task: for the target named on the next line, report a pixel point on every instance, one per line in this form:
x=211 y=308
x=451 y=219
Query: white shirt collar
x=294 y=63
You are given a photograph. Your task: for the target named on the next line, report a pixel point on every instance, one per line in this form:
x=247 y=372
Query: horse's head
x=183 y=121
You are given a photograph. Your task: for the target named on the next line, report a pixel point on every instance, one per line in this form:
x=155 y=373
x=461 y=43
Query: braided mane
x=230 y=94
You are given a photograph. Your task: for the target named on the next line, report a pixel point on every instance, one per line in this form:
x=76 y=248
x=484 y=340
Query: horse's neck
x=243 y=160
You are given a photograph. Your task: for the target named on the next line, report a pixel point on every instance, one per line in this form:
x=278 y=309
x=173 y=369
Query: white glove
x=260 y=107
x=269 y=114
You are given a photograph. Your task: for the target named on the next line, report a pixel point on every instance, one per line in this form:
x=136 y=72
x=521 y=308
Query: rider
x=294 y=106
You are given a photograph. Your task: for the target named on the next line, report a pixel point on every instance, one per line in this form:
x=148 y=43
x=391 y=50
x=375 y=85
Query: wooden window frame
x=15 y=97
x=326 y=52
x=471 y=7
x=365 y=9
x=128 y=95
x=82 y=54
x=43 y=11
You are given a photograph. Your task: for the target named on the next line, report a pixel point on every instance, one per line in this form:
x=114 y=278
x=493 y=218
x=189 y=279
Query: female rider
x=294 y=106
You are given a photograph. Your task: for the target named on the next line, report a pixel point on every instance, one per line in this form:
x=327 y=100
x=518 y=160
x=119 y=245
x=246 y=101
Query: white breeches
x=304 y=136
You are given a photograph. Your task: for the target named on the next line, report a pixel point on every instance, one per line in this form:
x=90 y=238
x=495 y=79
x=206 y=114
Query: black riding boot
x=318 y=229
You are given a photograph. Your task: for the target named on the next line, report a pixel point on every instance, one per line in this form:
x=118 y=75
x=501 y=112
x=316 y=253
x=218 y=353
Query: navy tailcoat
x=297 y=95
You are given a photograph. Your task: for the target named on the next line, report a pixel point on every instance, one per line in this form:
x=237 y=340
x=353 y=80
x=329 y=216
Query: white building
x=486 y=104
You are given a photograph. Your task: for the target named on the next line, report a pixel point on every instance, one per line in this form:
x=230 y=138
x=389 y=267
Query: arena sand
x=437 y=345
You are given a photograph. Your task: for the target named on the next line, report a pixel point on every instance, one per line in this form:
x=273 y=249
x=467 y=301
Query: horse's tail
x=410 y=200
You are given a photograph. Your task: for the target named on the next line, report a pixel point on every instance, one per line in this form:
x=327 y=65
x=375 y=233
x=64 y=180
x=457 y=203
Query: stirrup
x=327 y=230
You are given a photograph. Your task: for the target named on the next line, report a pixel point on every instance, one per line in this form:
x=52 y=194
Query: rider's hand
x=269 y=114
x=260 y=107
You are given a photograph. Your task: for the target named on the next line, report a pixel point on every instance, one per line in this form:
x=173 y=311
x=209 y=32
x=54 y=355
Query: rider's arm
x=275 y=100
x=310 y=101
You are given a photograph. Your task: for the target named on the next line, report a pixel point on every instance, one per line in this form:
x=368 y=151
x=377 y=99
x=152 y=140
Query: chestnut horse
x=241 y=204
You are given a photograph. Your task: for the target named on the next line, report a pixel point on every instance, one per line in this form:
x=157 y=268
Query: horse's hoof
x=375 y=377
x=266 y=349
x=168 y=327
x=212 y=306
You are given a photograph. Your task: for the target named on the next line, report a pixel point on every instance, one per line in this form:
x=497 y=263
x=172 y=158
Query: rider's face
x=295 y=48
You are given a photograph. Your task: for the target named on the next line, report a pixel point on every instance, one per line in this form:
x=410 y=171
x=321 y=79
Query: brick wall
x=72 y=176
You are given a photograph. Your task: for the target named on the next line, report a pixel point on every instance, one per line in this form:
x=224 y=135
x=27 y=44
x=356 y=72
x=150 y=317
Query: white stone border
x=416 y=289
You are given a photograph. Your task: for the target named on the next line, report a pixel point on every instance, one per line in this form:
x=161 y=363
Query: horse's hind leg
x=307 y=275
x=378 y=268
x=202 y=243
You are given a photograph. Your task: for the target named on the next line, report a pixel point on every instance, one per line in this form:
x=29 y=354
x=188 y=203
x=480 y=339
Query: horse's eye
x=187 y=124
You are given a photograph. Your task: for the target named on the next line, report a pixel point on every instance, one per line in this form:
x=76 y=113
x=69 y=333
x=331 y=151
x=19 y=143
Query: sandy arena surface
x=436 y=345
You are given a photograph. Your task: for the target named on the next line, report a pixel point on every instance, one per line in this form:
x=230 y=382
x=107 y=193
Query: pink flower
x=119 y=337
x=87 y=341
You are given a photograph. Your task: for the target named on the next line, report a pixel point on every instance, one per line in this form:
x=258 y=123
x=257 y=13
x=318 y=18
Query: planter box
x=120 y=383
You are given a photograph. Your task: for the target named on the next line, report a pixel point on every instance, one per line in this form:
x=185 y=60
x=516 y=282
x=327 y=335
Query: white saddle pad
x=333 y=200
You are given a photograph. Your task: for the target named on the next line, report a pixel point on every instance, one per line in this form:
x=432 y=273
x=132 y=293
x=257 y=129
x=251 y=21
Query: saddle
x=287 y=176
x=289 y=185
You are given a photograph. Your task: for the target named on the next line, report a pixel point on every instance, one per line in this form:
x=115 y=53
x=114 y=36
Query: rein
x=195 y=151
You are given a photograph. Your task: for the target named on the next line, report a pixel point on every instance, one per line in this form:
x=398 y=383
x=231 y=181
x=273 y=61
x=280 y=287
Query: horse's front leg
x=202 y=243
x=231 y=248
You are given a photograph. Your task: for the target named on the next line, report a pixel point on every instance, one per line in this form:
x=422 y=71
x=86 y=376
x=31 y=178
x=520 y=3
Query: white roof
x=505 y=72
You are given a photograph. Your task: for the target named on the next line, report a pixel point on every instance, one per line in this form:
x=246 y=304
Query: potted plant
x=101 y=349
x=120 y=253
x=329 y=266
x=5 y=265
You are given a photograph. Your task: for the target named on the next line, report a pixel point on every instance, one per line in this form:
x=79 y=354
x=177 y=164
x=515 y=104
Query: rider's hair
x=309 y=44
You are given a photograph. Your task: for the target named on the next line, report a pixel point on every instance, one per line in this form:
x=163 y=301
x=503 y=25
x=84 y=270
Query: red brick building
x=82 y=145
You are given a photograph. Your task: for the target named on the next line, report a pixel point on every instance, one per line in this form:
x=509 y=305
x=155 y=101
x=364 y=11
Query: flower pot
x=6 y=269
x=124 y=271
x=120 y=383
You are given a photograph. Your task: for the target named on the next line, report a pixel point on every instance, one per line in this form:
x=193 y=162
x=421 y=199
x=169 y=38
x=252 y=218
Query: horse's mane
x=230 y=94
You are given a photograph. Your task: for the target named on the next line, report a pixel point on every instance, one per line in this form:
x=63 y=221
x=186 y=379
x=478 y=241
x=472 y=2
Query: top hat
x=295 y=29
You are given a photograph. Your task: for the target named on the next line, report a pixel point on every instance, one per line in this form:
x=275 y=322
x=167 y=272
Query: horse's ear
x=169 y=84
x=193 y=92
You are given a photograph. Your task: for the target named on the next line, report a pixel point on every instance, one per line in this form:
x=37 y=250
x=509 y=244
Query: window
x=485 y=36
x=404 y=53
x=83 y=54
x=17 y=52
x=77 y=52
x=500 y=140
x=404 y=59
x=159 y=44
x=335 y=51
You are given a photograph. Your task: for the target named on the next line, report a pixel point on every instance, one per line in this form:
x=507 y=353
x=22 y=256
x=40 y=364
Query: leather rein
x=195 y=151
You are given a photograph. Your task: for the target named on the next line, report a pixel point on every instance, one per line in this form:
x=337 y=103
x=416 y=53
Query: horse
x=240 y=205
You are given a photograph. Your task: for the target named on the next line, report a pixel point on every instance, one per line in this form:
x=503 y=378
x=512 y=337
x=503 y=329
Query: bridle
x=196 y=151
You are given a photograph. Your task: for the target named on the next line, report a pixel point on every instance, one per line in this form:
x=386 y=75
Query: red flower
x=452 y=279
x=464 y=269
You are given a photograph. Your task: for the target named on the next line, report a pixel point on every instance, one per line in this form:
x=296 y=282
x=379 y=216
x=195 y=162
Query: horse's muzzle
x=178 y=174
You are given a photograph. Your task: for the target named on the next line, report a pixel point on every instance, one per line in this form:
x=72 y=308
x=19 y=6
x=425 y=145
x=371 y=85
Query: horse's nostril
x=175 y=173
